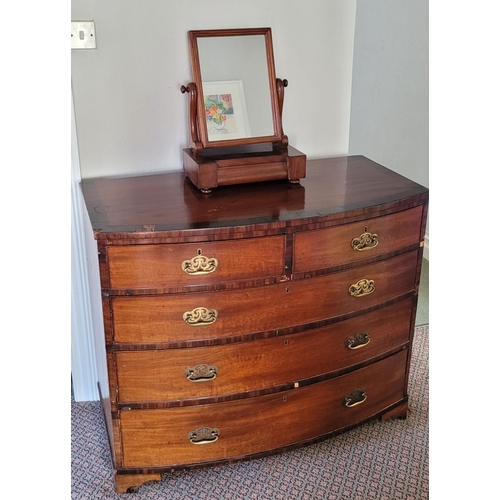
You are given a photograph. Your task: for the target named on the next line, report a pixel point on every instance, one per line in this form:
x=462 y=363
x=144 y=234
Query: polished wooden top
x=169 y=202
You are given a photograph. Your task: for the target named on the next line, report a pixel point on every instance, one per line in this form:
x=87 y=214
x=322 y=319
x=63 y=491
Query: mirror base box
x=207 y=173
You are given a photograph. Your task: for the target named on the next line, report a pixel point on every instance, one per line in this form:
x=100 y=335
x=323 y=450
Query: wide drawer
x=190 y=264
x=211 y=315
x=172 y=374
x=330 y=247
x=197 y=434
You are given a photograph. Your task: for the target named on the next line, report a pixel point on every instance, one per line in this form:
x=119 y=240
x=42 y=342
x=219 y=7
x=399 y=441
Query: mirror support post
x=196 y=145
x=280 y=90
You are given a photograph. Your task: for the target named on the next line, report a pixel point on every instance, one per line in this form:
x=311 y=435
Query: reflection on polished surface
x=161 y=201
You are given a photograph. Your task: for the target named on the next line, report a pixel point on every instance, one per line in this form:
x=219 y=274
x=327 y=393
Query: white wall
x=390 y=86
x=131 y=116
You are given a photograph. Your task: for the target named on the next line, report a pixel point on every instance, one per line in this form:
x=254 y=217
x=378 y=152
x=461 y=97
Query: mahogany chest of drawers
x=255 y=319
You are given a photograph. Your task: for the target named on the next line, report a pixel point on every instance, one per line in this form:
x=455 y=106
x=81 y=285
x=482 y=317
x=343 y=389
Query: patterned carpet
x=380 y=460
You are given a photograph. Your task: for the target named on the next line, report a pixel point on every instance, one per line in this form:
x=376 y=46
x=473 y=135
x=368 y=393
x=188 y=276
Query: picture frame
x=225 y=110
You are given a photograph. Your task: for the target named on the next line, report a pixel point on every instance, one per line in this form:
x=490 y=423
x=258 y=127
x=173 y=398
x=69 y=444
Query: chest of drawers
x=255 y=319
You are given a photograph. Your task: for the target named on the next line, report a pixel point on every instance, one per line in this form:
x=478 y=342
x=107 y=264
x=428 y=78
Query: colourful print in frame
x=225 y=110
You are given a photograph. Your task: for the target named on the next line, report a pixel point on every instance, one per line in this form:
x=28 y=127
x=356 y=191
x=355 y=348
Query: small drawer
x=214 y=315
x=188 y=264
x=171 y=374
x=205 y=433
x=330 y=247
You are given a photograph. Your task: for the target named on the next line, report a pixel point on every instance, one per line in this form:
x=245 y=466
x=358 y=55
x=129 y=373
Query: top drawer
x=333 y=246
x=191 y=264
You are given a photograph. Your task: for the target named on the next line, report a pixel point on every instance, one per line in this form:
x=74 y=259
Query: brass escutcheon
x=204 y=435
x=200 y=316
x=200 y=264
x=362 y=287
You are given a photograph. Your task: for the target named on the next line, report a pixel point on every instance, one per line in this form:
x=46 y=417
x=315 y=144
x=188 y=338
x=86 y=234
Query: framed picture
x=225 y=110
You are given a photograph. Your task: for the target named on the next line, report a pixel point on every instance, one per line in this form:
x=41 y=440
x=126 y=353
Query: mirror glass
x=237 y=86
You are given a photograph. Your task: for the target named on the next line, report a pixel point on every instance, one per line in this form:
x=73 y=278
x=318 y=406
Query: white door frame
x=83 y=353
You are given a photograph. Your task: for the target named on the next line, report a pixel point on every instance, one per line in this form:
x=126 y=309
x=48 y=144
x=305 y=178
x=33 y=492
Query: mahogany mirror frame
x=198 y=125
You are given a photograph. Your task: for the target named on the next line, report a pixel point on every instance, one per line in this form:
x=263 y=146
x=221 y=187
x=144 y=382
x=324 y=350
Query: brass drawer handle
x=362 y=287
x=365 y=241
x=358 y=340
x=200 y=316
x=201 y=373
x=355 y=398
x=204 y=435
x=200 y=264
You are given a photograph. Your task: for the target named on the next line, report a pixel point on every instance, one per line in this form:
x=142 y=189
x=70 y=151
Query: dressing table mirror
x=235 y=112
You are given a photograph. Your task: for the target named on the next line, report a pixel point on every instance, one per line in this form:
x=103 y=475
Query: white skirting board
x=426 y=247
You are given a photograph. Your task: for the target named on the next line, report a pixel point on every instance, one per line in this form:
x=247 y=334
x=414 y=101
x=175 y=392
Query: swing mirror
x=236 y=90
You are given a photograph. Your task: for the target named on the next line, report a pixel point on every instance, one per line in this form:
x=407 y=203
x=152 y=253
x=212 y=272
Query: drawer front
x=197 y=434
x=171 y=374
x=188 y=264
x=325 y=248
x=200 y=316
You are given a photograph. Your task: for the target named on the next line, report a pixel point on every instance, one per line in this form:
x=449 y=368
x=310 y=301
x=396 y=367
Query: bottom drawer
x=220 y=431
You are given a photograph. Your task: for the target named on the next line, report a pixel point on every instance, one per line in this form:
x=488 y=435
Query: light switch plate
x=83 y=35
